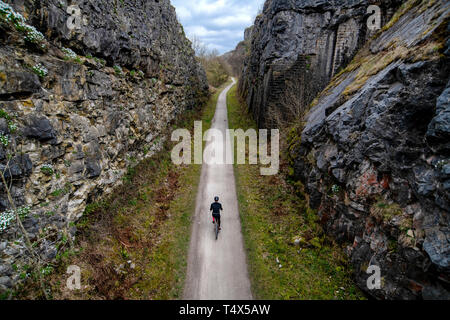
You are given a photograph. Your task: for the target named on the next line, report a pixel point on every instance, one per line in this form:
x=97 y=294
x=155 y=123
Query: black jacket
x=216 y=207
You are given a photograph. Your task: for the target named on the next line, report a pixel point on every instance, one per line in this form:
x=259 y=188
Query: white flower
x=12 y=126
x=70 y=54
x=9 y=216
x=31 y=34
x=40 y=70
x=335 y=188
x=11 y=15
x=4 y=140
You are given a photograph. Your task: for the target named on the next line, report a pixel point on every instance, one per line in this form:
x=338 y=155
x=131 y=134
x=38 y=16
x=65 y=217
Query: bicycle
x=216 y=227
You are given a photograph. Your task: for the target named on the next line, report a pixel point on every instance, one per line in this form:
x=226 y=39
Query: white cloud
x=183 y=13
x=220 y=24
x=208 y=7
x=226 y=21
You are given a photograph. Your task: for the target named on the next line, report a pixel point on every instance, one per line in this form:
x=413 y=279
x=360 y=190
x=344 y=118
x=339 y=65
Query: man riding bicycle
x=216 y=206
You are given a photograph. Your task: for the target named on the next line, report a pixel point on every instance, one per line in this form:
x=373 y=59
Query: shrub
x=101 y=61
x=12 y=126
x=47 y=169
x=31 y=34
x=40 y=70
x=69 y=53
x=4 y=140
x=9 y=216
x=335 y=189
x=34 y=36
x=4 y=114
x=118 y=70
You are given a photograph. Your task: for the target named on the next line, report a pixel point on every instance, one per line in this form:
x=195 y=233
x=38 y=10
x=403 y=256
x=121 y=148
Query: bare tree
x=37 y=261
x=199 y=47
x=292 y=105
x=217 y=69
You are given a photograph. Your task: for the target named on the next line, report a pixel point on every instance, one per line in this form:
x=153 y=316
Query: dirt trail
x=217 y=270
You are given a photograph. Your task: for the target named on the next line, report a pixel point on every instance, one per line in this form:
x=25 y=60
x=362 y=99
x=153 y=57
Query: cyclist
x=216 y=206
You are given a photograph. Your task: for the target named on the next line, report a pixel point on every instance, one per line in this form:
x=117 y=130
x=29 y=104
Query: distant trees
x=216 y=67
x=199 y=47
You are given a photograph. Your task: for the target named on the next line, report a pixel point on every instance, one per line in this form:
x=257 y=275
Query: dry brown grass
x=372 y=64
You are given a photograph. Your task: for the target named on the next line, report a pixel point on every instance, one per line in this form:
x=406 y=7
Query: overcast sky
x=219 y=24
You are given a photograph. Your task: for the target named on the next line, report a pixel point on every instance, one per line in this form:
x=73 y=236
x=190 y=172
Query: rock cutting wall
x=79 y=107
x=373 y=150
x=374 y=158
x=313 y=38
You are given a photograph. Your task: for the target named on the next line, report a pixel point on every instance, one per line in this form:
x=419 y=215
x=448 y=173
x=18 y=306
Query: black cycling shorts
x=217 y=217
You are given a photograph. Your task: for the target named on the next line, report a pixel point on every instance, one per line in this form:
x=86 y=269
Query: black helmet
x=216 y=198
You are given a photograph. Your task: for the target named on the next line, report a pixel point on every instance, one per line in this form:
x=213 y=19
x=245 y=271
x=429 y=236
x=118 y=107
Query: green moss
x=4 y=114
x=311 y=159
x=404 y=8
x=385 y=211
x=101 y=61
x=392 y=245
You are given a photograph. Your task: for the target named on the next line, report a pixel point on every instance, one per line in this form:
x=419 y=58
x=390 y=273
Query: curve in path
x=217 y=270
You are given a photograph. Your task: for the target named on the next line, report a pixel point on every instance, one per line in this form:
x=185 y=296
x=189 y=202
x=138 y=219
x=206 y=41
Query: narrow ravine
x=217 y=270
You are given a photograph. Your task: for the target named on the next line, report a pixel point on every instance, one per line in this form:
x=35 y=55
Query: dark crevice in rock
x=16 y=96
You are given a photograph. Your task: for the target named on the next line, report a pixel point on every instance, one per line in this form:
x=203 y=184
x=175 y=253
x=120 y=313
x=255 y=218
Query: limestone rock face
x=372 y=150
x=303 y=43
x=79 y=106
x=383 y=140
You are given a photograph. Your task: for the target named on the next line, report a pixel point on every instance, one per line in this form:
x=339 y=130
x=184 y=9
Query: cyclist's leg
x=218 y=219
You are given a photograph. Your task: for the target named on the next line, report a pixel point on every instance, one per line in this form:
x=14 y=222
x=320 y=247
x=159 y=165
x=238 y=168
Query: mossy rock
x=383 y=211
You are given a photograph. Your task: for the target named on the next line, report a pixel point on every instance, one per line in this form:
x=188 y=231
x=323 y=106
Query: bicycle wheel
x=217 y=230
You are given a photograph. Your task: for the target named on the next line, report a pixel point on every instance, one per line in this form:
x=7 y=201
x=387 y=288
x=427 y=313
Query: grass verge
x=134 y=243
x=289 y=256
